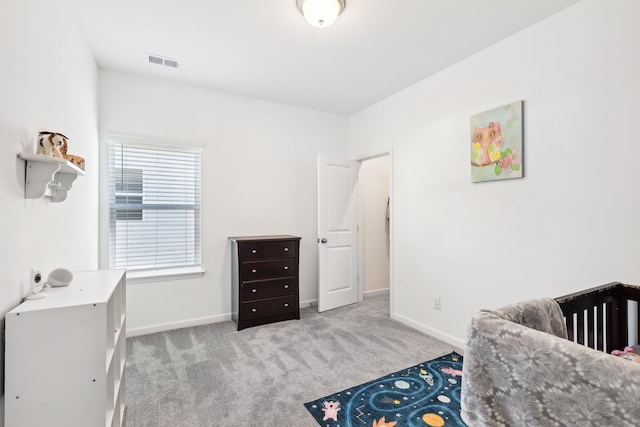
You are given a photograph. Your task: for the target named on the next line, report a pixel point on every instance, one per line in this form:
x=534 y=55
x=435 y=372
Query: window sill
x=134 y=277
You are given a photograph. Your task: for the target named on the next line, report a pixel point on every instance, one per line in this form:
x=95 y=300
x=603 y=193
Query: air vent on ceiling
x=161 y=60
x=171 y=63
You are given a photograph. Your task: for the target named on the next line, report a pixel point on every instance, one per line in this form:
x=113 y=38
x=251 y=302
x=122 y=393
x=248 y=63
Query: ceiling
x=265 y=49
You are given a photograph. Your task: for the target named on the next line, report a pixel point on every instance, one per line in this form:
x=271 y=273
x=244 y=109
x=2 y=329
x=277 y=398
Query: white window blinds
x=154 y=206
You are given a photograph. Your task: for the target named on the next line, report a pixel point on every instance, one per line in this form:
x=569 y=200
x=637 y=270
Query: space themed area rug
x=427 y=394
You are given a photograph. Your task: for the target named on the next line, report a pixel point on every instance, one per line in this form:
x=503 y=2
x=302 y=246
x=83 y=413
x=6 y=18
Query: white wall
x=48 y=81
x=571 y=223
x=373 y=178
x=259 y=177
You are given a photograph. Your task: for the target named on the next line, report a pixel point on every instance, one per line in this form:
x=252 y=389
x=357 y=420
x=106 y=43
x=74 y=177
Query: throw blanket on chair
x=520 y=370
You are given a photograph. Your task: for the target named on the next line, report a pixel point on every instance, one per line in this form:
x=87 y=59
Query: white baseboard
x=309 y=303
x=384 y=291
x=449 y=339
x=162 y=327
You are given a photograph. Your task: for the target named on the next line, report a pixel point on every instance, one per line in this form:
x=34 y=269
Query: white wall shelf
x=65 y=355
x=48 y=176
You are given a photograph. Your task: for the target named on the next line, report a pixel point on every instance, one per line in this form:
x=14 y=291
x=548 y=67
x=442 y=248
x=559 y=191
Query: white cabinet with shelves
x=48 y=176
x=65 y=354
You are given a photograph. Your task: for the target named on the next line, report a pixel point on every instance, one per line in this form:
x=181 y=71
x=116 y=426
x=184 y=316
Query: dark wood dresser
x=264 y=279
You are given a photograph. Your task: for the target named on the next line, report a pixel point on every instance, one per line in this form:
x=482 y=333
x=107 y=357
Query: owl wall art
x=496 y=143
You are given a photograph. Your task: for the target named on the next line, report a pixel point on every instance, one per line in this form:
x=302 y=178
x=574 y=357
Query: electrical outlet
x=436 y=302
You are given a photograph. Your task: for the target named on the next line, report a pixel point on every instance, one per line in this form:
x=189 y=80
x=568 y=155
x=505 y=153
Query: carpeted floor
x=214 y=375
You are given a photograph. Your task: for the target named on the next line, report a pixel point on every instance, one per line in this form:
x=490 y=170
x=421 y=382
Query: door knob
x=323 y=240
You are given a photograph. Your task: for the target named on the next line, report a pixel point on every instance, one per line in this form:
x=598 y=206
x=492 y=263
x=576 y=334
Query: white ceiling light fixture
x=320 y=13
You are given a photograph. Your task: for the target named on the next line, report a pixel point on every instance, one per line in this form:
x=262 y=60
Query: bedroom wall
x=570 y=224
x=258 y=177
x=48 y=81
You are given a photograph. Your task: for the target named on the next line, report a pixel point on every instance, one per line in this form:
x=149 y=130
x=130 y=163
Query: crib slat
x=580 y=329
x=638 y=325
x=613 y=334
x=623 y=323
x=602 y=325
x=590 y=328
x=569 y=320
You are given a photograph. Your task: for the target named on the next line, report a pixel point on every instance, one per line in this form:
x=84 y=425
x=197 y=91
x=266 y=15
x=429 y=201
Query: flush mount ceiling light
x=320 y=13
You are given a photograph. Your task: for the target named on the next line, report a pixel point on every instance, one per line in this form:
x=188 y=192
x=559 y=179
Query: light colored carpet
x=214 y=375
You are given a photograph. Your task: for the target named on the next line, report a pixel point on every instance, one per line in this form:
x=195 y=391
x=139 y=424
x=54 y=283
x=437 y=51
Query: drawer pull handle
x=254 y=270
x=286 y=286
x=254 y=291
x=286 y=249
x=286 y=268
x=286 y=305
x=254 y=310
x=254 y=251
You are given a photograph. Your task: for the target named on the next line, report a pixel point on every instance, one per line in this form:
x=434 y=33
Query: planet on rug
x=427 y=394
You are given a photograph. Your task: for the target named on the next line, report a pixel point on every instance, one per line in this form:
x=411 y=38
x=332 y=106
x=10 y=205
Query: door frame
x=360 y=159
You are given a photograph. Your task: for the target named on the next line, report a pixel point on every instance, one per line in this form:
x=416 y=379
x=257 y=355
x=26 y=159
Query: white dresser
x=65 y=355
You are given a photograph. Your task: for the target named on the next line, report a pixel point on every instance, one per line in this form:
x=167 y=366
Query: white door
x=337 y=233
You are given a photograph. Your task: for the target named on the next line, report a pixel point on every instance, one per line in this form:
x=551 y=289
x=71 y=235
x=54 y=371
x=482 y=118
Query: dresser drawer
x=265 y=269
x=268 y=288
x=268 y=307
x=249 y=251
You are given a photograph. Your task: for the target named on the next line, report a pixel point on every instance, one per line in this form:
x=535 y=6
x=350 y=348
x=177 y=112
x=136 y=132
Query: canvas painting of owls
x=496 y=143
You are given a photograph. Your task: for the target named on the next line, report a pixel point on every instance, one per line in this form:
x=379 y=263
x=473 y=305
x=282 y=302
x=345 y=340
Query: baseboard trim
x=162 y=327
x=309 y=303
x=375 y=292
x=449 y=339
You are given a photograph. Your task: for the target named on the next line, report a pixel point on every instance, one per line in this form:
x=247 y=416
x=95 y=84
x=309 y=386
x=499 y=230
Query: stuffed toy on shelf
x=56 y=144
x=49 y=144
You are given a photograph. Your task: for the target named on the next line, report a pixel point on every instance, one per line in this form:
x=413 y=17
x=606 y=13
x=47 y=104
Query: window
x=128 y=192
x=154 y=207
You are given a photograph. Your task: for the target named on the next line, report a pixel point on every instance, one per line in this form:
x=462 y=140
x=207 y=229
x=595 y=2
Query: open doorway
x=374 y=179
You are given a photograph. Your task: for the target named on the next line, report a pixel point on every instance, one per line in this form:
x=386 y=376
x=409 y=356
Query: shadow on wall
x=387 y=223
x=1 y=361
x=20 y=172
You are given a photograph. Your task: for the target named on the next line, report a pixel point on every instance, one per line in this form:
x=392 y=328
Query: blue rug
x=427 y=394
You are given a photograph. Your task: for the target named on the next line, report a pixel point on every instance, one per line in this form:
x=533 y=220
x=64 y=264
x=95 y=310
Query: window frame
x=151 y=274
